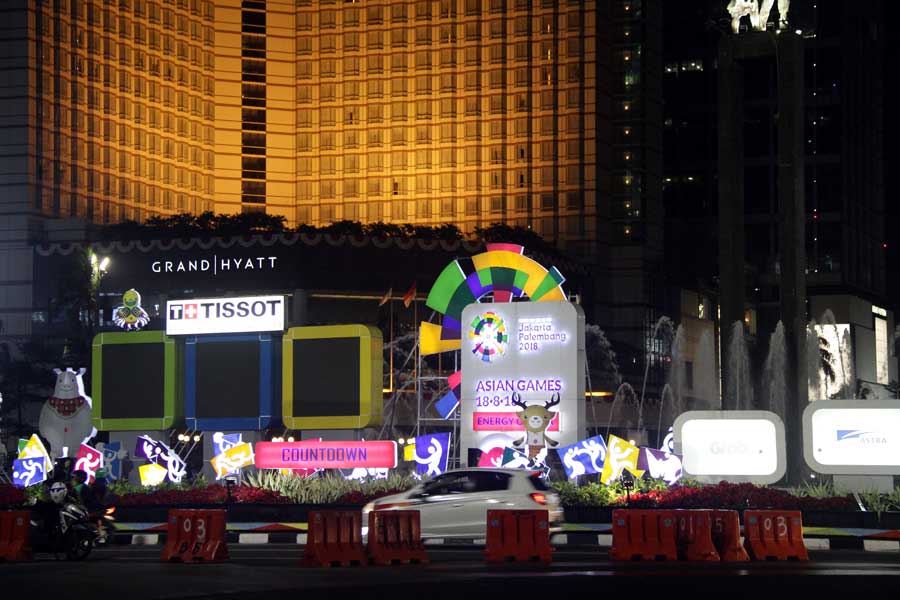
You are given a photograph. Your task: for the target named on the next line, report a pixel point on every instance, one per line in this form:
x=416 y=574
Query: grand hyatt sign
x=215 y=265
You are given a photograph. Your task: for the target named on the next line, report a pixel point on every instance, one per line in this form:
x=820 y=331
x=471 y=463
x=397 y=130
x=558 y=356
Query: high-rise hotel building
x=408 y=111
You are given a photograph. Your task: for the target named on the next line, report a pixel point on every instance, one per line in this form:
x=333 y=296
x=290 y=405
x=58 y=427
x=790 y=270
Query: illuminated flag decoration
x=363 y=474
x=88 y=460
x=112 y=458
x=233 y=459
x=668 y=444
x=583 y=458
x=29 y=471
x=491 y=458
x=34 y=448
x=224 y=441
x=516 y=459
x=432 y=453
x=152 y=474
x=660 y=465
x=446 y=405
x=620 y=455
x=158 y=453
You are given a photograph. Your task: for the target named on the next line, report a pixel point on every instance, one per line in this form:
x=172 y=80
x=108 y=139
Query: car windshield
x=466 y=482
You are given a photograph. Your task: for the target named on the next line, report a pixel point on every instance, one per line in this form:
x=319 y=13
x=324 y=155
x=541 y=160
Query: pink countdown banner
x=326 y=455
x=504 y=421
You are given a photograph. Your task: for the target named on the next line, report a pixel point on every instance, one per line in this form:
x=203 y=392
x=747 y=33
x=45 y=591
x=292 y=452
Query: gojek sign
x=734 y=445
x=852 y=437
x=246 y=314
x=522 y=376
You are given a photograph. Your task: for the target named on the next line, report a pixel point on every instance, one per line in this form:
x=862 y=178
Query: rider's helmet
x=58 y=492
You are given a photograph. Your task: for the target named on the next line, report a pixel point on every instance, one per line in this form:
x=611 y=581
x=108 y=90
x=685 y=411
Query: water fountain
x=844 y=356
x=774 y=372
x=814 y=363
x=624 y=391
x=664 y=322
x=739 y=390
x=674 y=406
x=706 y=379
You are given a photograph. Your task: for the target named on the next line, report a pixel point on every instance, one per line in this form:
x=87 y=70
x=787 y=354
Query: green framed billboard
x=135 y=381
x=332 y=377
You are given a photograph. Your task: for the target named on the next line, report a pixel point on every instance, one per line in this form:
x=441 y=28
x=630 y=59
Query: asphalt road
x=272 y=570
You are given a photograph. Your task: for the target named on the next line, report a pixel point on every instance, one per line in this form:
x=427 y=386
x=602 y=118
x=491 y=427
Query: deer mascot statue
x=536 y=419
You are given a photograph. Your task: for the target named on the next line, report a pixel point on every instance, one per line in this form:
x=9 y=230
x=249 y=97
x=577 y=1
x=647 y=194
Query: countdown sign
x=522 y=353
x=316 y=454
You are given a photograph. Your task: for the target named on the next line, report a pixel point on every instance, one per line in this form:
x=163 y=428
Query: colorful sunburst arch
x=504 y=270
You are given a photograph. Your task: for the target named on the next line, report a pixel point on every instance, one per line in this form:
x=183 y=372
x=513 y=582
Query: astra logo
x=862 y=436
x=224 y=309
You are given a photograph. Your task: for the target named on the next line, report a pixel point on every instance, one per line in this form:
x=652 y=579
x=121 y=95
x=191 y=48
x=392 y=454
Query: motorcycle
x=66 y=527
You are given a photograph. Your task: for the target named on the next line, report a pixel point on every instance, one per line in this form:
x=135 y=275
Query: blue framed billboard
x=230 y=381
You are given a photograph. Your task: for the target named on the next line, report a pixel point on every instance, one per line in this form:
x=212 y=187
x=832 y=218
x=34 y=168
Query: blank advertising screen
x=326 y=377
x=227 y=380
x=133 y=381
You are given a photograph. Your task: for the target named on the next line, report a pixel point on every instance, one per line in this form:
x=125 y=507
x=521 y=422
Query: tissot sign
x=734 y=445
x=244 y=314
x=522 y=361
x=852 y=437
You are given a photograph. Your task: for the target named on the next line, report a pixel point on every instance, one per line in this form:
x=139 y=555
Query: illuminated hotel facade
x=427 y=112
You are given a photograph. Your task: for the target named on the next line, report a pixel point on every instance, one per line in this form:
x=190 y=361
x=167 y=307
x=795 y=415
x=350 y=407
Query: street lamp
x=628 y=484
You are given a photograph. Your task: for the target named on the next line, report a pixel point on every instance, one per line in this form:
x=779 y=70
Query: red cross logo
x=190 y=311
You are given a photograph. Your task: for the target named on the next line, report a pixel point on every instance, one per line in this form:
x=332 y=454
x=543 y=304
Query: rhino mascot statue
x=66 y=417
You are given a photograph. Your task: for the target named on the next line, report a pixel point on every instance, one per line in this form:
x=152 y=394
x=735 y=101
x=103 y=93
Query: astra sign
x=246 y=314
x=852 y=437
x=326 y=455
x=734 y=445
x=522 y=381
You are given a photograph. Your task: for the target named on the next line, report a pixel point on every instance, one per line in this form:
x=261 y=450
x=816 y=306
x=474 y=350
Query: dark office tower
x=839 y=201
x=630 y=225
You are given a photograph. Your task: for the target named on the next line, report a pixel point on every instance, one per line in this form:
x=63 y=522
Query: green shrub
x=325 y=490
x=819 y=489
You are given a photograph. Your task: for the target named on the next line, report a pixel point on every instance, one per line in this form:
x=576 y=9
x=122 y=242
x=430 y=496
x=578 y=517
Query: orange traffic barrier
x=694 y=537
x=643 y=535
x=195 y=536
x=334 y=537
x=395 y=536
x=774 y=535
x=15 y=535
x=726 y=535
x=518 y=535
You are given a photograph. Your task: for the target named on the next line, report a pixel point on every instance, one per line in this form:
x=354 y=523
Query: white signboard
x=246 y=314
x=852 y=437
x=736 y=446
x=522 y=357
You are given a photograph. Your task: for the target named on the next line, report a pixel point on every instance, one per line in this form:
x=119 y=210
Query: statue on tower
x=759 y=15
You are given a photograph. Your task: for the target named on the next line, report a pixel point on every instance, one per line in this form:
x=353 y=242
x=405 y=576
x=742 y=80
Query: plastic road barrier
x=726 y=535
x=395 y=536
x=195 y=536
x=774 y=535
x=694 y=535
x=518 y=535
x=643 y=535
x=334 y=538
x=15 y=535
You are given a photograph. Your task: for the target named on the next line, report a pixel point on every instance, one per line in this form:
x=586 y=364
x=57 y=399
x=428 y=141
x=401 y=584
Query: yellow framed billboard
x=332 y=377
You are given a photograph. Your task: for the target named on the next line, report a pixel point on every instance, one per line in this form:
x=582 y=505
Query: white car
x=455 y=503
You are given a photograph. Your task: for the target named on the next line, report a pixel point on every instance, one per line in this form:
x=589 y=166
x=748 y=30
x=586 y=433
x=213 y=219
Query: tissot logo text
x=225 y=315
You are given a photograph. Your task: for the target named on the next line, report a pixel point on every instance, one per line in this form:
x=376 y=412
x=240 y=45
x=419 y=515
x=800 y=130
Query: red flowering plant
x=213 y=494
x=735 y=496
x=11 y=496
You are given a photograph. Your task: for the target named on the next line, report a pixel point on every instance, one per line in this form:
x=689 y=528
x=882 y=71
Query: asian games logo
x=489 y=336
